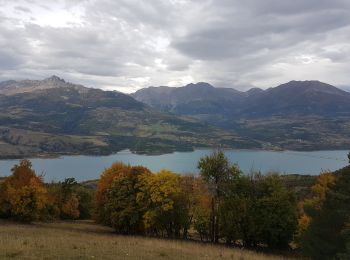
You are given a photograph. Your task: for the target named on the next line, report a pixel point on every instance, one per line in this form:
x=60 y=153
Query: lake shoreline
x=85 y=167
x=156 y=153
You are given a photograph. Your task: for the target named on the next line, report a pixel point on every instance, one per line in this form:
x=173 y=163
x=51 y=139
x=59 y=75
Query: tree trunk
x=217 y=222
x=212 y=224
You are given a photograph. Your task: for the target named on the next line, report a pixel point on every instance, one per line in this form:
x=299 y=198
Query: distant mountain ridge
x=12 y=87
x=295 y=97
x=296 y=115
x=52 y=116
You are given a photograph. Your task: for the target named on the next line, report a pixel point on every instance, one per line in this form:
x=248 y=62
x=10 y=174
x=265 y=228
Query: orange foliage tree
x=23 y=195
x=64 y=201
x=117 y=186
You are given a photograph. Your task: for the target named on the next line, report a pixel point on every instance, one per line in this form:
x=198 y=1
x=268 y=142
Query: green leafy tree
x=257 y=210
x=85 y=197
x=218 y=173
x=275 y=212
x=235 y=209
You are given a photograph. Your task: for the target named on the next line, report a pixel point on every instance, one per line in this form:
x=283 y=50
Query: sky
x=126 y=45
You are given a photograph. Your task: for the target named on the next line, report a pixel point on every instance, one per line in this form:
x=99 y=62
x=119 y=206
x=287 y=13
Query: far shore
x=158 y=153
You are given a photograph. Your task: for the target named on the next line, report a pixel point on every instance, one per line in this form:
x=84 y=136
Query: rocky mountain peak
x=55 y=78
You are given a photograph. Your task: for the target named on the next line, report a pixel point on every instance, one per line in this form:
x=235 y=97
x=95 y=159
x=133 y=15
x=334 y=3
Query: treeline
x=221 y=205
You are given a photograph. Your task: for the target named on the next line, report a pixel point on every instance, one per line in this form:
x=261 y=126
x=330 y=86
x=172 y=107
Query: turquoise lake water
x=90 y=167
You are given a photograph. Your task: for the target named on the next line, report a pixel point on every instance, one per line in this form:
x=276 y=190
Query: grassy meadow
x=86 y=240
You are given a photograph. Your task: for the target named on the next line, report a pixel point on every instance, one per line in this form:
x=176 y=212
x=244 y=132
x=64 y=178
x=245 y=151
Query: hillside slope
x=85 y=240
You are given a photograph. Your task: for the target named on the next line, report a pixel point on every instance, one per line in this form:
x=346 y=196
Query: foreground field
x=85 y=240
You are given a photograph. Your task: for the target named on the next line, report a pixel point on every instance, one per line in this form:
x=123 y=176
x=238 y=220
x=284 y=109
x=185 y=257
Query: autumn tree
x=23 y=195
x=122 y=205
x=64 y=199
x=118 y=198
x=217 y=172
x=197 y=199
x=167 y=211
x=101 y=214
x=328 y=234
x=311 y=206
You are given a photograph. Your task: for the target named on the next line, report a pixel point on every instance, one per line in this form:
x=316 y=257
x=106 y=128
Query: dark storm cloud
x=262 y=24
x=128 y=44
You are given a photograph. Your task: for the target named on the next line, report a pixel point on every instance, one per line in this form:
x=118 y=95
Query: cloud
x=129 y=44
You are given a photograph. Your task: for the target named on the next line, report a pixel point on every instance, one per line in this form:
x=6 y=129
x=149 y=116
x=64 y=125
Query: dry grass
x=85 y=240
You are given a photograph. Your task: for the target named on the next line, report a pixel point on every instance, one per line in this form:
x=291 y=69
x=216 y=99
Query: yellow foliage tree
x=107 y=199
x=71 y=207
x=167 y=210
x=23 y=195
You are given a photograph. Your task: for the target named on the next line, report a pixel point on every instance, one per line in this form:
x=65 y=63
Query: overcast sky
x=129 y=44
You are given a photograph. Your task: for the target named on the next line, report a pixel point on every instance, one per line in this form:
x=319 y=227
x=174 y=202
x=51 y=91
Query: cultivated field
x=85 y=240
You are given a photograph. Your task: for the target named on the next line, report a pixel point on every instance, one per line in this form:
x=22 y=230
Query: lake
x=90 y=167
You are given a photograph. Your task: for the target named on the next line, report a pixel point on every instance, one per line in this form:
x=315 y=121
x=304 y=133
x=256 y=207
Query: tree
x=257 y=210
x=23 y=195
x=167 y=211
x=69 y=200
x=311 y=206
x=327 y=236
x=117 y=199
x=104 y=183
x=123 y=208
x=217 y=172
x=235 y=220
x=64 y=201
x=274 y=212
x=197 y=198
x=85 y=196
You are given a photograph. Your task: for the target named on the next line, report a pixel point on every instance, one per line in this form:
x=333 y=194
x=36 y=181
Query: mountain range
x=295 y=97
x=53 y=117
x=298 y=115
